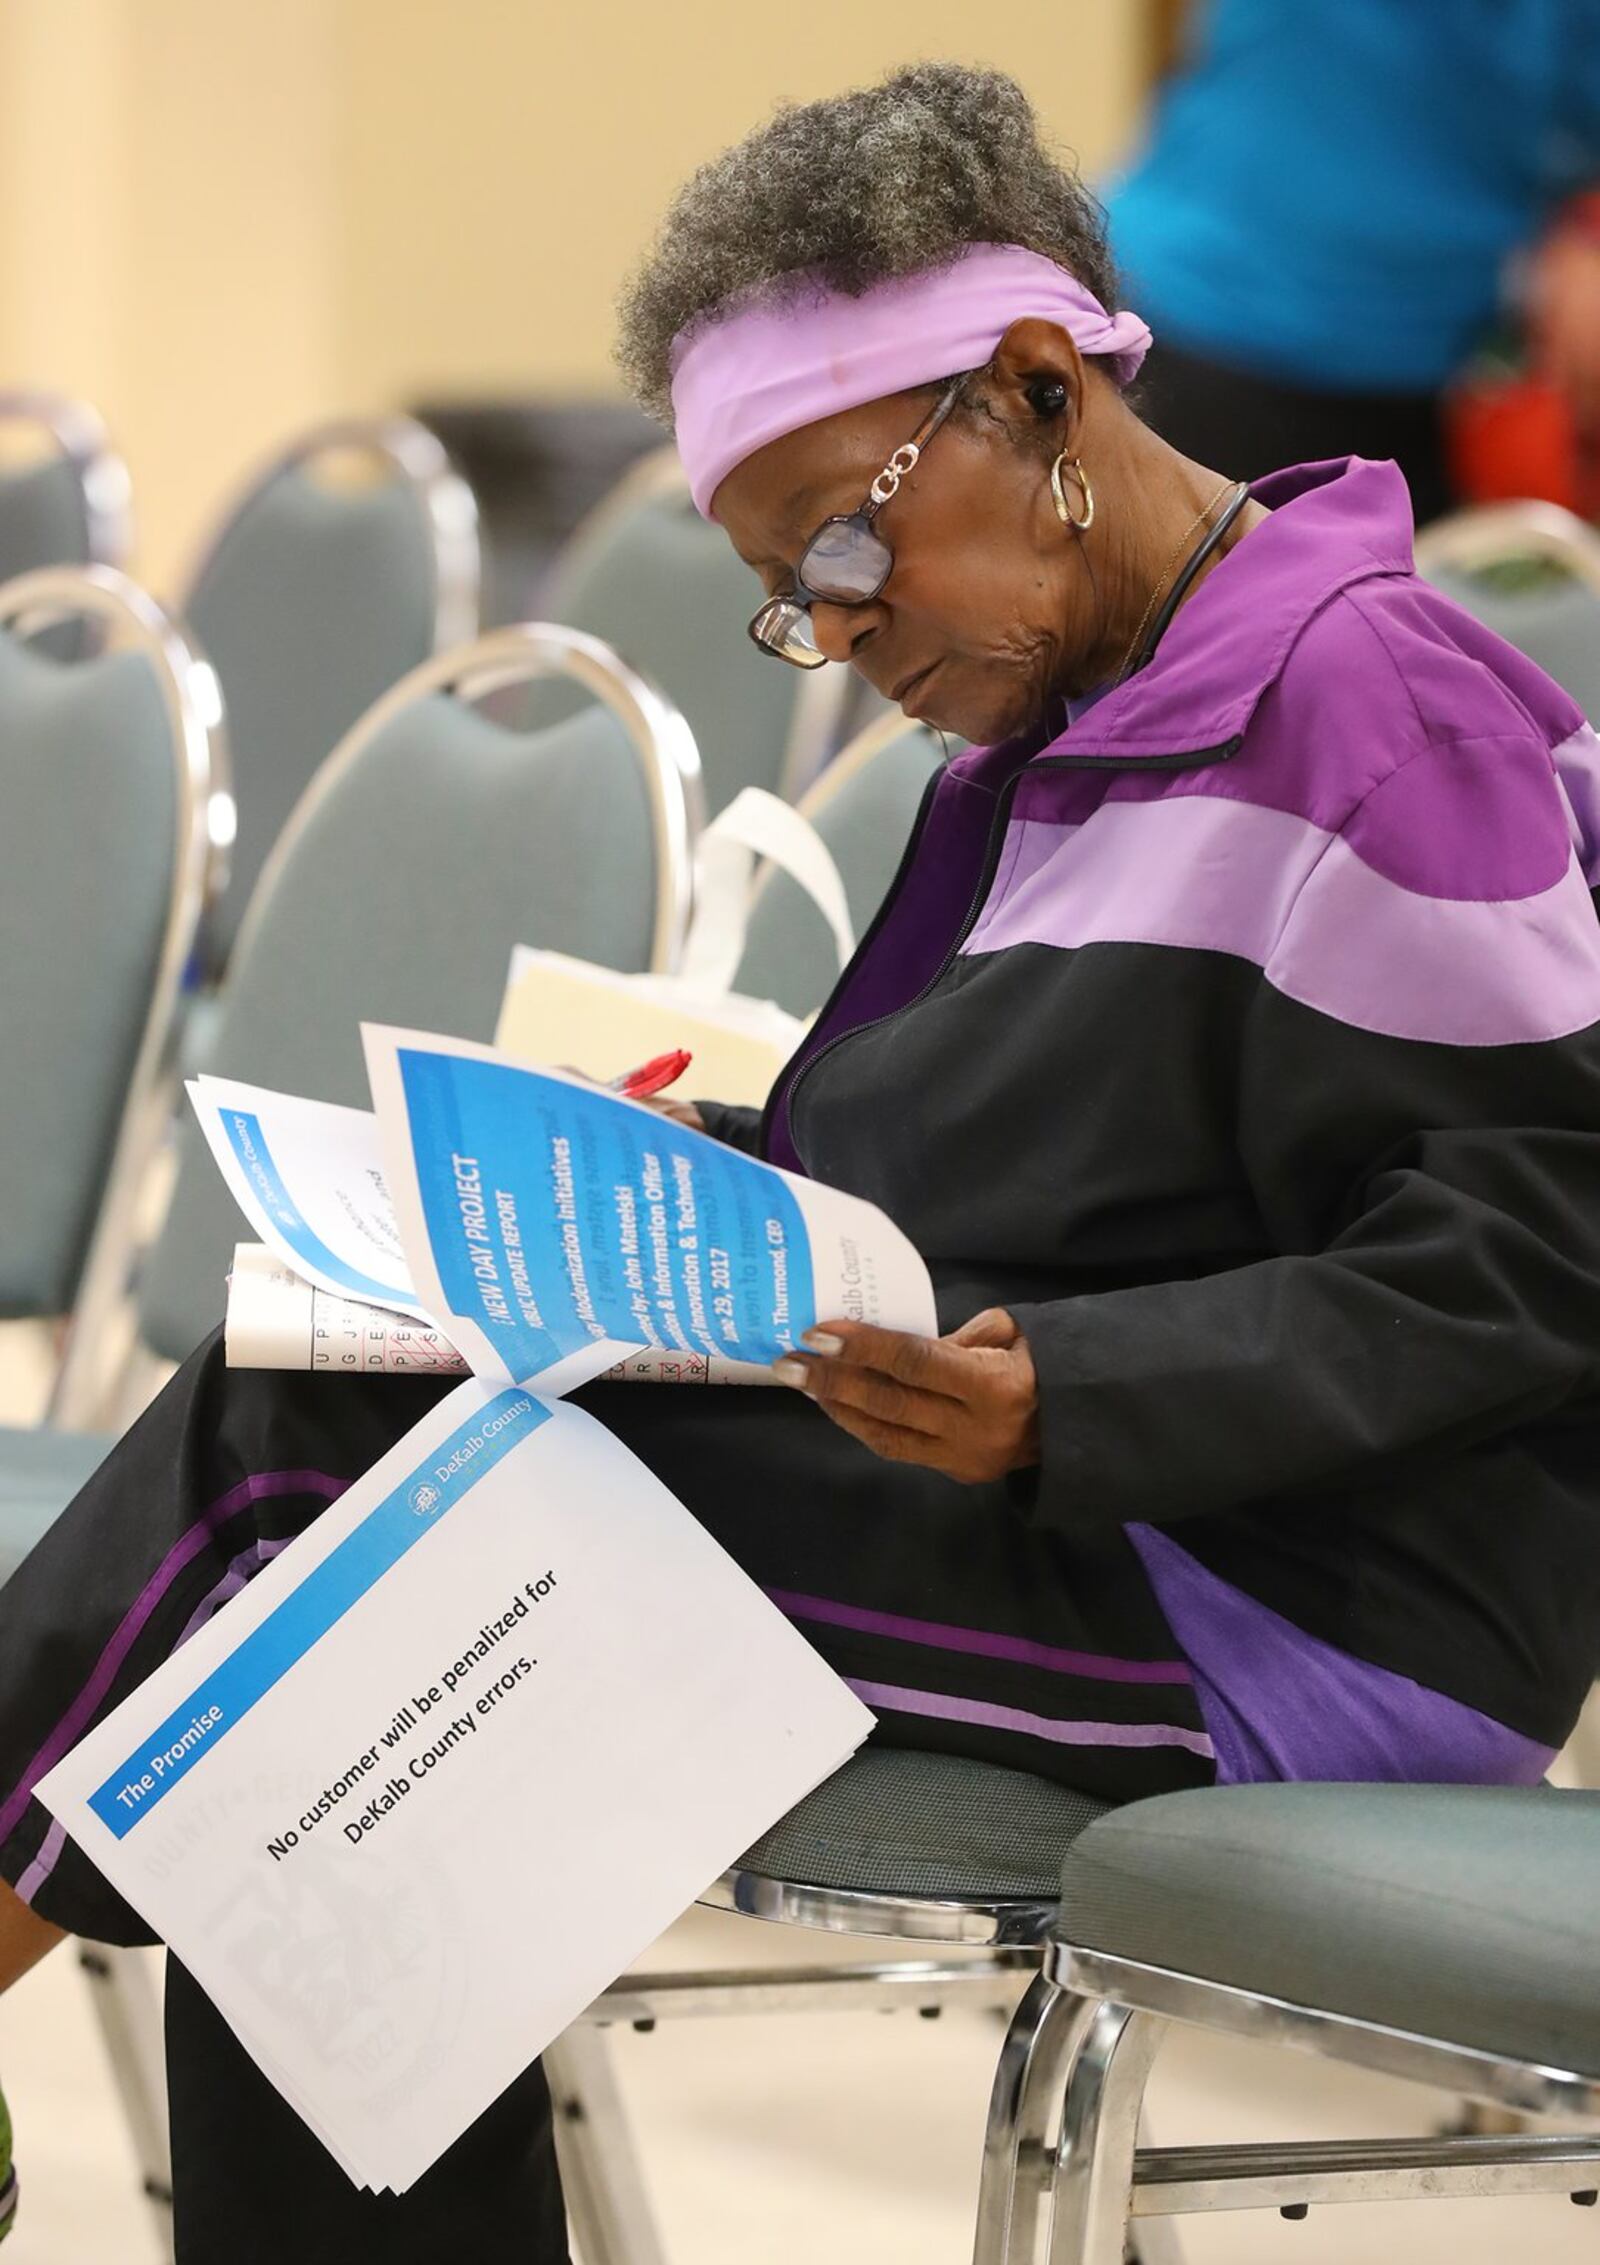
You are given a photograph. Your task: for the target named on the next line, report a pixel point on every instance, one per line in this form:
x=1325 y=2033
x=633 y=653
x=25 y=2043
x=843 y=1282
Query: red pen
x=651 y=1077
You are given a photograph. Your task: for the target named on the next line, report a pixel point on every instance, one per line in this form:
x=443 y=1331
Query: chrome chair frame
x=821 y=703
x=668 y=758
x=1492 y=532
x=204 y=806
x=124 y=2002
x=80 y=436
x=1064 y=2177
x=994 y=1944
x=1101 y=2019
x=420 y=460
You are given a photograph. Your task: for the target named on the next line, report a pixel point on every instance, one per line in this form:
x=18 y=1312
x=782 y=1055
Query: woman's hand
x=681 y=1112
x=967 y=1405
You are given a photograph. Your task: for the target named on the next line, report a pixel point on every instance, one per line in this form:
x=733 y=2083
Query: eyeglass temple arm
x=918 y=441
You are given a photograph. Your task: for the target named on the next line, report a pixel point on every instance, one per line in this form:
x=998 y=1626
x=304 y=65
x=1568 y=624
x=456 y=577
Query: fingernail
x=823 y=1341
x=790 y=1372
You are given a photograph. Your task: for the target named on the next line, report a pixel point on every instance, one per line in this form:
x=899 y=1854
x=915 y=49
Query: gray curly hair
x=859 y=189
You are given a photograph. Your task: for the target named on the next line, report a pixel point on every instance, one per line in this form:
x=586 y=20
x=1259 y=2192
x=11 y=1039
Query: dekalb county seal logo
x=424 y=1498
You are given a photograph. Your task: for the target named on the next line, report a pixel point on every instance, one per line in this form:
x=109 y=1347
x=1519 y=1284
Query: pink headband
x=766 y=370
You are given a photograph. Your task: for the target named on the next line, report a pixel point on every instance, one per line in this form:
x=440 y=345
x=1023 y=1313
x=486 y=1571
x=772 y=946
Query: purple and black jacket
x=1244 y=1041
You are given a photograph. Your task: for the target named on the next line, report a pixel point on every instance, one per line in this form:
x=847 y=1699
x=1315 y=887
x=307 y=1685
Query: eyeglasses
x=846 y=562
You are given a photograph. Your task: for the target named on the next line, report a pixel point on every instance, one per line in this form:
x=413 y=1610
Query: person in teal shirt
x=1320 y=223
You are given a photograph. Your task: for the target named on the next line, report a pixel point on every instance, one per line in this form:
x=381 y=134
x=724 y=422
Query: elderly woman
x=1229 y=1043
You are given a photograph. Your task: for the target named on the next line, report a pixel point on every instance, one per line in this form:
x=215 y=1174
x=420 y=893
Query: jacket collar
x=1332 y=524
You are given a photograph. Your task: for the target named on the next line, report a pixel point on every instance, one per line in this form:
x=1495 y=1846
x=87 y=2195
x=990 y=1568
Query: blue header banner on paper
x=249 y=1144
x=305 y=1616
x=559 y=1214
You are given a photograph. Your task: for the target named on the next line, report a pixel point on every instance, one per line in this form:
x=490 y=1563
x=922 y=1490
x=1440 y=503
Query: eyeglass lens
x=783 y=626
x=846 y=561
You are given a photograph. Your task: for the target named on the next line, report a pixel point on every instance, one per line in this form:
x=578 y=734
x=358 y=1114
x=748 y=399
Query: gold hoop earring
x=1058 y=494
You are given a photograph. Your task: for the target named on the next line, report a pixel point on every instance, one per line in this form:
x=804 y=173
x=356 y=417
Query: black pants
x=253 y=2187
x=1246 y=425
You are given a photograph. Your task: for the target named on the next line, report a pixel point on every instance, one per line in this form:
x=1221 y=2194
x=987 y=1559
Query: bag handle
x=755 y=825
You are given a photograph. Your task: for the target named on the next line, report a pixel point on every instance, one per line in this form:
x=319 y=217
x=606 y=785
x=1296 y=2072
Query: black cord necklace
x=1185 y=582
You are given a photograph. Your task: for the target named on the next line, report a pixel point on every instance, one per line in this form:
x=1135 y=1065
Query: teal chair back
x=349 y=562
x=1531 y=573
x=433 y=841
x=111 y=774
x=863 y=807
x=63 y=497
x=653 y=579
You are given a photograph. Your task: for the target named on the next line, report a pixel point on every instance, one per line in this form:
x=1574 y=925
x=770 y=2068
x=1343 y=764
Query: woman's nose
x=840 y=632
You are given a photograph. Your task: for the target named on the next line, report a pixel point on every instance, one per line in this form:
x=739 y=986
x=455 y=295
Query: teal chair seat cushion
x=40 y=1472
x=1468 y=1914
x=893 y=1823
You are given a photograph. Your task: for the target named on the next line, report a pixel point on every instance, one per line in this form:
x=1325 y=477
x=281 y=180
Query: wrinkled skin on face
x=995 y=611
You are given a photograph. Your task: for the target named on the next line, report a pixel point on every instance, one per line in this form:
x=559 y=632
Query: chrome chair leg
x=128 y=2010
x=1092 y=2189
x=1044 y=2035
x=608 y=2204
x=1157 y=2240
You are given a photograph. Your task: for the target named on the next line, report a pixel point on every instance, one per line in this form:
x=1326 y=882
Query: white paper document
x=275 y=1318
x=547 y=1229
x=551 y=1226
x=308 y=1175
x=449 y=1763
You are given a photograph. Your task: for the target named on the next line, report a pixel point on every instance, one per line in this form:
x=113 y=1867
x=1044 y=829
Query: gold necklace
x=1199 y=520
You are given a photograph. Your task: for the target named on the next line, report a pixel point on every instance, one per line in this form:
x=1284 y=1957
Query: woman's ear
x=1038 y=378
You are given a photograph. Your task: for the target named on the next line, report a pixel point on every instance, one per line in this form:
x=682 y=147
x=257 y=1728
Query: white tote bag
x=558 y=1009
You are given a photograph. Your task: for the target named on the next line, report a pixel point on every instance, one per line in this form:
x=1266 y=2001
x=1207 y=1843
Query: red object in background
x=1511 y=435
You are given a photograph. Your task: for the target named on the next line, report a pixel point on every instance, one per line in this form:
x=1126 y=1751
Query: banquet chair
x=863 y=807
x=112 y=770
x=432 y=841
x=351 y=558
x=1531 y=573
x=1446 y=1935
x=648 y=575
x=112 y=773
x=63 y=498
x=954 y=1867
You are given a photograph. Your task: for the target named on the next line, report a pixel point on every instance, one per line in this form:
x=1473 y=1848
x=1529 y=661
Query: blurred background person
x=1322 y=218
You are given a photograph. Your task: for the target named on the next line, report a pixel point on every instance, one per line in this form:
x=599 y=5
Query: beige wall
x=220 y=219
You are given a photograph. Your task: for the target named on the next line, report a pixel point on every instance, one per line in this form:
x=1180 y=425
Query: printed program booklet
x=544 y=1228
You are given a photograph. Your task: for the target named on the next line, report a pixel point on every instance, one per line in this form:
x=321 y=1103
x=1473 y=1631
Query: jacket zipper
x=991 y=860
x=783 y=1095
x=913 y=840
x=1195 y=761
